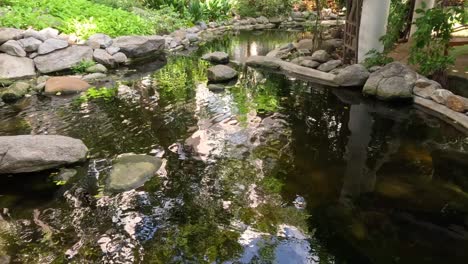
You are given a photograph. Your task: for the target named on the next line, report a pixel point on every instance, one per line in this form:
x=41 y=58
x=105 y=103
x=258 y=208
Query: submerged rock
x=15 y=92
x=395 y=81
x=65 y=85
x=131 y=171
x=217 y=57
x=221 y=73
x=22 y=154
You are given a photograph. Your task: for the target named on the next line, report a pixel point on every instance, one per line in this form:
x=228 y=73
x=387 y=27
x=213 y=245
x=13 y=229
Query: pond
x=271 y=170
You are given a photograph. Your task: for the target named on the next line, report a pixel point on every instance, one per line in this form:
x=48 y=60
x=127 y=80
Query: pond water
x=272 y=170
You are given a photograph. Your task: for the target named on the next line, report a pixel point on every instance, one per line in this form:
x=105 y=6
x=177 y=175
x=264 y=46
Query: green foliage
x=82 y=66
x=107 y=94
x=396 y=23
x=432 y=38
x=81 y=17
x=269 y=8
x=376 y=58
x=214 y=10
x=164 y=20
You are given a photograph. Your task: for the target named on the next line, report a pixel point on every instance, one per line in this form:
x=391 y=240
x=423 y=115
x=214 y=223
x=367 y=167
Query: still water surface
x=272 y=170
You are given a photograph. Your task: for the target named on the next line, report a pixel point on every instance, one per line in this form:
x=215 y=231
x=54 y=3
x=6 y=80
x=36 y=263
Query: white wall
x=373 y=26
x=429 y=4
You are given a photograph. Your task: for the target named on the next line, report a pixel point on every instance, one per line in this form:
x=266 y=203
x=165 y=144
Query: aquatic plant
x=82 y=66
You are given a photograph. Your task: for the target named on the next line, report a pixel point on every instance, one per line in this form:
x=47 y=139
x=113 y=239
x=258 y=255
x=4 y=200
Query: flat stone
x=51 y=45
x=7 y=34
x=94 y=76
x=49 y=32
x=217 y=57
x=440 y=96
x=354 y=75
x=309 y=64
x=140 y=46
x=112 y=50
x=13 y=68
x=321 y=56
x=329 y=65
x=132 y=171
x=103 y=40
x=30 y=44
x=22 y=154
x=304 y=44
x=14 y=48
x=221 y=73
x=63 y=59
x=216 y=87
x=65 y=85
x=425 y=88
x=103 y=57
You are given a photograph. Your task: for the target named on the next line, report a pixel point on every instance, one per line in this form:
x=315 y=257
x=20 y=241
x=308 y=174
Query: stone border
x=459 y=120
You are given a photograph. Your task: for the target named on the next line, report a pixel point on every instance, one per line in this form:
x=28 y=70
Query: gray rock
x=375 y=68
x=63 y=59
x=213 y=25
x=192 y=37
x=101 y=56
x=425 y=88
x=97 y=68
x=395 y=81
x=51 y=45
x=329 y=65
x=13 y=48
x=21 y=154
x=304 y=44
x=30 y=44
x=13 y=68
x=440 y=96
x=7 y=34
x=49 y=33
x=120 y=58
x=262 y=20
x=34 y=34
x=217 y=57
x=221 y=73
x=112 y=50
x=131 y=171
x=94 y=76
x=216 y=87
x=202 y=25
x=309 y=64
x=103 y=40
x=321 y=56
x=354 y=75
x=140 y=46
x=332 y=45
x=33 y=55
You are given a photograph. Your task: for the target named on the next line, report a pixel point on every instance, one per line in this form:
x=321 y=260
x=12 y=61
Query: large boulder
x=12 y=68
x=354 y=75
x=51 y=45
x=131 y=171
x=395 y=81
x=13 y=48
x=140 y=46
x=7 y=34
x=65 y=85
x=221 y=73
x=217 y=57
x=22 y=154
x=63 y=59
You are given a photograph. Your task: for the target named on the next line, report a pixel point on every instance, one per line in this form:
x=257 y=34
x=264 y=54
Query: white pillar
x=418 y=5
x=373 y=26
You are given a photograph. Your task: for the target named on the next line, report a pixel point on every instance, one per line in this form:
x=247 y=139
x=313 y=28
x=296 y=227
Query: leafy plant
x=396 y=23
x=431 y=40
x=82 y=66
x=107 y=94
x=268 y=8
x=376 y=58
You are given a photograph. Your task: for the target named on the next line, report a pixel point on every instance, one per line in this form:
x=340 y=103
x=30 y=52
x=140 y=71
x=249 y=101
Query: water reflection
x=272 y=170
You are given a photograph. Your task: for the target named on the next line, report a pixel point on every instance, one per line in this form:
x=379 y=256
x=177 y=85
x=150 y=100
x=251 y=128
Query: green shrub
x=270 y=8
x=82 y=66
x=376 y=58
x=164 y=20
x=81 y=17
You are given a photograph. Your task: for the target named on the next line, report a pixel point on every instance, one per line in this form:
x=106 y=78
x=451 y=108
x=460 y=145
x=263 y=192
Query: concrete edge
x=459 y=120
